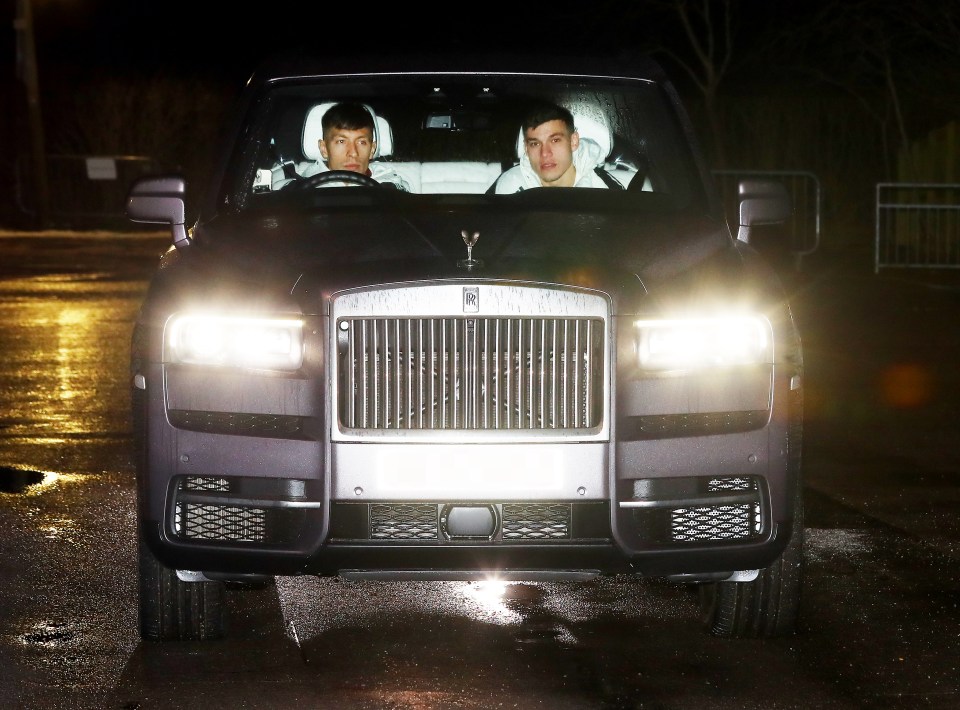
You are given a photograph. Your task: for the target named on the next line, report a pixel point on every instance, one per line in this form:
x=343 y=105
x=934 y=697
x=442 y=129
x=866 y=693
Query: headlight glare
x=693 y=343
x=234 y=341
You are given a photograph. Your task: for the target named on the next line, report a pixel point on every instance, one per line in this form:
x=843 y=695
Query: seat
x=457 y=177
x=313 y=132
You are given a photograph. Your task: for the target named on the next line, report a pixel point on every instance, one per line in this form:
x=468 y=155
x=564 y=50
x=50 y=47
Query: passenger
x=348 y=143
x=554 y=155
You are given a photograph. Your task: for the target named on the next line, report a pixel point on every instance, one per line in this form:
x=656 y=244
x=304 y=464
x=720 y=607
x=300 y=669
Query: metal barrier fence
x=85 y=189
x=804 y=188
x=917 y=226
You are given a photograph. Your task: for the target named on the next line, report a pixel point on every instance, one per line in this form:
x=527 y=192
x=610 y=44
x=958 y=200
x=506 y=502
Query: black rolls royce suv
x=410 y=373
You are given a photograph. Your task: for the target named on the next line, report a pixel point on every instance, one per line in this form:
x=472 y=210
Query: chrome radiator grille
x=470 y=373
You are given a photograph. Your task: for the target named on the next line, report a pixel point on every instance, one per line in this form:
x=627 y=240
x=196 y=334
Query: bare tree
x=932 y=72
x=873 y=50
x=707 y=28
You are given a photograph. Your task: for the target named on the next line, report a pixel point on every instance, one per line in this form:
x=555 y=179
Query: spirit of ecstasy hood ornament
x=469 y=238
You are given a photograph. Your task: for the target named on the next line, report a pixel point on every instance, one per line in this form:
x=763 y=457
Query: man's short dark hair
x=542 y=111
x=347 y=115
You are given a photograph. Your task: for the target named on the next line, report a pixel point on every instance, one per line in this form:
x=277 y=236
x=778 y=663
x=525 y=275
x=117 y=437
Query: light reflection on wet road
x=881 y=621
x=57 y=326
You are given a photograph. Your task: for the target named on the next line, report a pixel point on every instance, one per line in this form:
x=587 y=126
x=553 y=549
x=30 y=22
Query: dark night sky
x=221 y=40
x=200 y=37
x=229 y=39
x=204 y=36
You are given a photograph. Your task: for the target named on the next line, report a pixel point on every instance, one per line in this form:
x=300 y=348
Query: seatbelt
x=289 y=169
x=609 y=179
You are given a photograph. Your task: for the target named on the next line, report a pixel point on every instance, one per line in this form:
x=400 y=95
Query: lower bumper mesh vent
x=722 y=522
x=233 y=510
x=272 y=426
x=519 y=521
x=536 y=522
x=678 y=425
x=718 y=522
x=719 y=509
x=403 y=522
x=220 y=522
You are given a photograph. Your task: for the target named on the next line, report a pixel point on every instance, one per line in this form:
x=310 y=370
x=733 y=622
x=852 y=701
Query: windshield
x=437 y=138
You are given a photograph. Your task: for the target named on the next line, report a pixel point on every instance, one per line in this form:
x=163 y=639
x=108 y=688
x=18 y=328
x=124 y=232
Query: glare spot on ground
x=488 y=600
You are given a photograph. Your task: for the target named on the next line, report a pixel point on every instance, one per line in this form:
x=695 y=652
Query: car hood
x=627 y=255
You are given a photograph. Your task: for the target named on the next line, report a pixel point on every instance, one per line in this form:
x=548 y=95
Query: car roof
x=303 y=64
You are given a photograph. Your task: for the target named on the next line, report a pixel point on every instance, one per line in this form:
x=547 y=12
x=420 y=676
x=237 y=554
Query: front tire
x=174 y=610
x=764 y=608
x=769 y=605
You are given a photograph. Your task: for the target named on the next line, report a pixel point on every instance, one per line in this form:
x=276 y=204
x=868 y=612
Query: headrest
x=313 y=132
x=593 y=126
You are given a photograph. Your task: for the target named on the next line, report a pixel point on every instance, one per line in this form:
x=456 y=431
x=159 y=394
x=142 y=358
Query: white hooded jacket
x=585 y=158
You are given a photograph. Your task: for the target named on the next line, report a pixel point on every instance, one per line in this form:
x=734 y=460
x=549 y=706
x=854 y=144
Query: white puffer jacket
x=585 y=158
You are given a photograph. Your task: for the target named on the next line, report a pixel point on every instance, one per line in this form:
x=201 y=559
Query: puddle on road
x=18 y=480
x=50 y=634
x=25 y=481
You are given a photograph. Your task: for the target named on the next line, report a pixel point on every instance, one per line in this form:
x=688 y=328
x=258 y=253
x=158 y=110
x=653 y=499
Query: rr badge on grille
x=471 y=299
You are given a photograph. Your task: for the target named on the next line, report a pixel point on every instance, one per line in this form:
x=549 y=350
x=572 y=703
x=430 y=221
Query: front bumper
x=255 y=473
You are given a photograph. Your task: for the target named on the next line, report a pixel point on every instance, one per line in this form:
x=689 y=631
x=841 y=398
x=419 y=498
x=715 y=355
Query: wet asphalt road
x=880 y=627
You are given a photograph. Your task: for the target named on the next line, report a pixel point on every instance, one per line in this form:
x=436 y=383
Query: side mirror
x=762 y=202
x=160 y=200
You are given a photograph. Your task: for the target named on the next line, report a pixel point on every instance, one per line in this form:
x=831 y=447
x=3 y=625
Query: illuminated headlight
x=693 y=343
x=258 y=343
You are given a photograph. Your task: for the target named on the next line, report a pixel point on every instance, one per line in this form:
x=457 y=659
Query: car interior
x=440 y=176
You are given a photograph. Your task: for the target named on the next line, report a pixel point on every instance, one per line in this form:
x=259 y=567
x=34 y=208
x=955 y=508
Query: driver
x=347 y=144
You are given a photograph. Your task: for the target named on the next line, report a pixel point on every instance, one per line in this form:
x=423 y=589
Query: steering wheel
x=334 y=176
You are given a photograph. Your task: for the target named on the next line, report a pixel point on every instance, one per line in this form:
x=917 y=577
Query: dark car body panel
x=315 y=492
